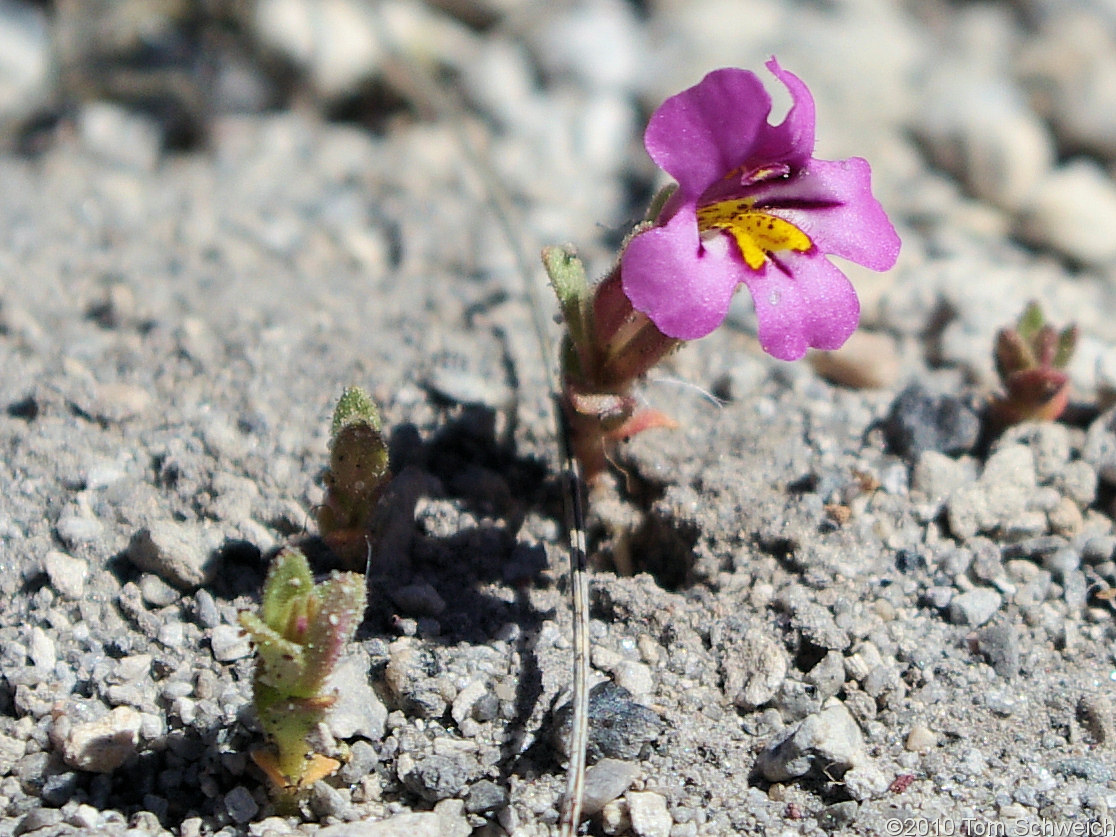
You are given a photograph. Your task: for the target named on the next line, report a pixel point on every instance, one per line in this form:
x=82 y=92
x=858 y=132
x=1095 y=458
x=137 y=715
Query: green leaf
x=288 y=580
x=355 y=405
x=1012 y=353
x=1067 y=343
x=1030 y=321
x=342 y=609
x=567 y=277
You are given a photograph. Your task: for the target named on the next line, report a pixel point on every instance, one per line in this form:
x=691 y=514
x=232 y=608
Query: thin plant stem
x=427 y=94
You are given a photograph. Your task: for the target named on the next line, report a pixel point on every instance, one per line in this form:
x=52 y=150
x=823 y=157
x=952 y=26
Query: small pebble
x=1000 y=645
x=408 y=677
x=419 y=599
x=327 y=801
x=754 y=667
x=103 y=745
x=240 y=805
x=1098 y=549
x=921 y=739
x=75 y=529
x=485 y=796
x=606 y=780
x=1095 y=714
x=648 y=814
x=618 y=726
x=1070 y=210
x=975 y=607
x=1090 y=769
x=205 y=609
x=229 y=643
x=358 y=710
x=438 y=776
x=41 y=650
x=830 y=737
x=156 y=592
x=37 y=819
x=920 y=421
x=175 y=552
x=614 y=817
x=635 y=677
x=67 y=574
x=868 y=360
x=838 y=815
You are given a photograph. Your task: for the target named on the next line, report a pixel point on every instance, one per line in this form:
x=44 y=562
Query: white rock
x=85 y=816
x=596 y=41
x=829 y=739
x=99 y=746
x=25 y=59
x=77 y=526
x=229 y=642
x=937 y=476
x=606 y=780
x=648 y=814
x=41 y=650
x=358 y=710
x=335 y=40
x=999 y=498
x=635 y=677
x=1073 y=211
x=975 y=607
x=754 y=669
x=342 y=43
x=426 y=824
x=463 y=704
x=174 y=551
x=11 y=751
x=66 y=573
x=120 y=136
x=921 y=739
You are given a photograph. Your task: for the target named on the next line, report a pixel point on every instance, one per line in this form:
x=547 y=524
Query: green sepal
x=571 y=286
x=659 y=201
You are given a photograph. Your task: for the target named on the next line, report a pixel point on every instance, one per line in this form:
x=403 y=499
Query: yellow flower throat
x=757 y=233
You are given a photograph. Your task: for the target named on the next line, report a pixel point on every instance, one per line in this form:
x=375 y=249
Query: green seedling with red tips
x=299 y=634
x=1031 y=360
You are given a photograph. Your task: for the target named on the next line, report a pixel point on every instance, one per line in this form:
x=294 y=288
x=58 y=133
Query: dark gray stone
x=618 y=726
x=921 y=421
x=485 y=796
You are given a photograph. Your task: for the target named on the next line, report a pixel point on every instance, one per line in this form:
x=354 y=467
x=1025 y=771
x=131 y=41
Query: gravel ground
x=828 y=602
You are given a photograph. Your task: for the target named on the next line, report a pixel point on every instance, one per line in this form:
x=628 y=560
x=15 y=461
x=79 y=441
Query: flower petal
x=792 y=140
x=802 y=301
x=703 y=133
x=681 y=284
x=832 y=202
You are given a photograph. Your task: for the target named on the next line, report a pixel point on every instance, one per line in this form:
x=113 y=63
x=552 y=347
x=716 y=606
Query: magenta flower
x=753 y=206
